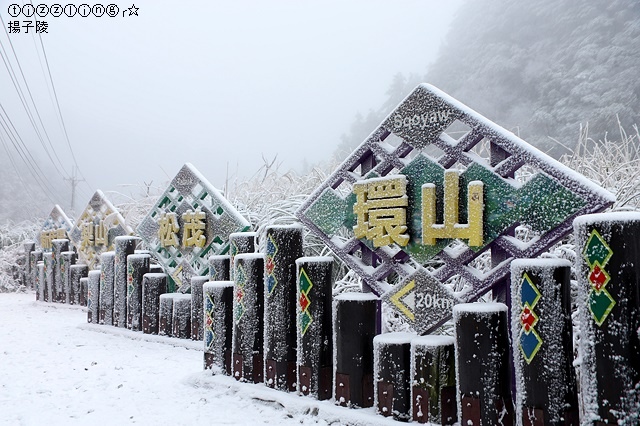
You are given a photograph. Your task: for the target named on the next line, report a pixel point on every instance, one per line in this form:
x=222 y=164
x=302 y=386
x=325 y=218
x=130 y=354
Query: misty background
x=230 y=86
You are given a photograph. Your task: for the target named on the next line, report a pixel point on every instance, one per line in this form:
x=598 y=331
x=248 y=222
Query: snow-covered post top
x=282 y=246
x=543 y=340
x=482 y=362
x=107 y=269
x=608 y=273
x=123 y=246
x=93 y=296
x=197 y=327
x=433 y=380
x=391 y=372
x=218 y=329
x=220 y=267
x=137 y=266
x=153 y=285
x=356 y=317
x=314 y=326
x=248 y=317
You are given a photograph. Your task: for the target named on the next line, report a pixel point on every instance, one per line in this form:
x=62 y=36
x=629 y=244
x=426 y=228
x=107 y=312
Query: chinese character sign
x=56 y=226
x=190 y=222
x=96 y=229
x=418 y=203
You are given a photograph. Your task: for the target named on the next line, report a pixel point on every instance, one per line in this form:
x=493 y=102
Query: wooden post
x=107 y=265
x=29 y=247
x=248 y=318
x=47 y=258
x=137 y=267
x=240 y=242
x=77 y=272
x=123 y=247
x=482 y=360
x=218 y=331
x=181 y=317
x=356 y=324
x=58 y=246
x=84 y=290
x=93 y=296
x=220 y=267
x=392 y=378
x=34 y=258
x=546 y=392
x=283 y=246
x=433 y=378
x=153 y=285
x=197 y=311
x=315 y=326
x=40 y=282
x=67 y=260
x=165 y=314
x=608 y=273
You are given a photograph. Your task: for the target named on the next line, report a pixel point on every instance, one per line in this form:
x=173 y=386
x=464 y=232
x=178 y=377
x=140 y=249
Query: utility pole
x=74 y=182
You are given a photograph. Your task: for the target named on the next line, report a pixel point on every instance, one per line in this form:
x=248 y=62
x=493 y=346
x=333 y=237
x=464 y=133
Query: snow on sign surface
x=97 y=228
x=190 y=222
x=56 y=226
x=431 y=190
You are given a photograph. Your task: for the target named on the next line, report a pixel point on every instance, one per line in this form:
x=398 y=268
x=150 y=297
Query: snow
x=592 y=219
x=57 y=369
x=433 y=340
x=478 y=307
x=397 y=338
x=356 y=297
x=314 y=259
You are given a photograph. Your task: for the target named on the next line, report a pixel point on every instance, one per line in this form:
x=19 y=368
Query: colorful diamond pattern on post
x=597 y=253
x=241 y=280
x=304 y=284
x=209 y=334
x=270 y=265
x=530 y=341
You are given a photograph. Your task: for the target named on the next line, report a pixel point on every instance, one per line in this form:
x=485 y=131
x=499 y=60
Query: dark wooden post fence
x=34 y=258
x=123 y=247
x=153 y=285
x=283 y=245
x=181 y=316
x=48 y=261
x=392 y=374
x=197 y=311
x=77 y=272
x=433 y=374
x=608 y=274
x=137 y=267
x=107 y=265
x=58 y=246
x=482 y=360
x=248 y=318
x=315 y=326
x=356 y=324
x=67 y=260
x=220 y=267
x=93 y=296
x=218 y=331
x=546 y=391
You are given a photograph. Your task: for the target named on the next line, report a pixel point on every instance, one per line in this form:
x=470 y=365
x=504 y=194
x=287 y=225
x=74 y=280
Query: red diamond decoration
x=598 y=277
x=527 y=318
x=239 y=294
x=304 y=302
x=270 y=265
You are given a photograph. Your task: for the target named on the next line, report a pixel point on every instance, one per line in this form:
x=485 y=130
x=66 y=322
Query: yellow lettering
x=194 y=226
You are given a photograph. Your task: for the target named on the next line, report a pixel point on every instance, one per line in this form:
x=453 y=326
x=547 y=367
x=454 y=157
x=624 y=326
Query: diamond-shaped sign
x=97 y=228
x=597 y=250
x=57 y=225
x=600 y=304
x=419 y=182
x=530 y=343
x=190 y=222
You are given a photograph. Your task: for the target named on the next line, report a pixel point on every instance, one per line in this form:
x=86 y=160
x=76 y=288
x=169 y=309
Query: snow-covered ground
x=56 y=369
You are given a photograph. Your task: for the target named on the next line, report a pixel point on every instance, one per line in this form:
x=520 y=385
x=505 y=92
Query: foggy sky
x=218 y=84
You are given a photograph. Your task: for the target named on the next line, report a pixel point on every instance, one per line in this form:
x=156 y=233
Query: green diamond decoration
x=600 y=304
x=596 y=250
x=305 y=283
x=305 y=321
